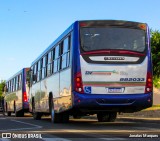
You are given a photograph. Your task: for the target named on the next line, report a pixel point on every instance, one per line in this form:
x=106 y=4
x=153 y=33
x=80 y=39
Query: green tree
x=2 y=84
x=155 y=47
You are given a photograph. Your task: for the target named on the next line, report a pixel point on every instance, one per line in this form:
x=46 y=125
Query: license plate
x=115 y=90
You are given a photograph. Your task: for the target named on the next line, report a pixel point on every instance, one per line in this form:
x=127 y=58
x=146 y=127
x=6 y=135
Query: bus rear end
x=25 y=89
x=114 y=68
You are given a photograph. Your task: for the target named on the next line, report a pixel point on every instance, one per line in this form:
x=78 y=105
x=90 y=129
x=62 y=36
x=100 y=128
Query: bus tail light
x=78 y=83
x=149 y=83
x=83 y=24
x=25 y=97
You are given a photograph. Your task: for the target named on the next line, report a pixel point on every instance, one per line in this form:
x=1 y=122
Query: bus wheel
x=102 y=117
x=9 y=114
x=112 y=116
x=55 y=117
x=36 y=115
x=59 y=117
x=65 y=117
x=15 y=111
x=19 y=113
x=107 y=117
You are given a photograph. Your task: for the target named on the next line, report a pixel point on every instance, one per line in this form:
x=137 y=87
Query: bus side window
x=39 y=71
x=49 y=62
x=46 y=65
x=56 y=60
x=9 y=86
x=61 y=55
x=34 y=74
x=20 y=81
x=14 y=85
x=53 y=58
x=68 y=52
x=16 y=82
x=64 y=54
x=43 y=67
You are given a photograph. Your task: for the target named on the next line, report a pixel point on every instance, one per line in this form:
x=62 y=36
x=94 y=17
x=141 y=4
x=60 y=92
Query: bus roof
x=92 y=23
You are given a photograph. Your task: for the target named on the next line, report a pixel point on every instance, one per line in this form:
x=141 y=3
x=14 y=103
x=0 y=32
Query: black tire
x=3 y=112
x=18 y=113
x=65 y=117
x=57 y=117
x=112 y=116
x=107 y=117
x=102 y=117
x=8 y=114
x=36 y=115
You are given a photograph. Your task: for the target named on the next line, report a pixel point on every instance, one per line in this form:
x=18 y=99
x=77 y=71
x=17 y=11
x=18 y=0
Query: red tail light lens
x=149 y=83
x=25 y=97
x=83 y=24
x=78 y=83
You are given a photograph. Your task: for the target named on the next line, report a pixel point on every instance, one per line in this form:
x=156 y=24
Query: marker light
x=142 y=26
x=83 y=24
x=78 y=83
x=24 y=97
x=149 y=83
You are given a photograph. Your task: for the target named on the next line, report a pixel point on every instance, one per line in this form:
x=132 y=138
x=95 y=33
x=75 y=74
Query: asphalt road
x=89 y=129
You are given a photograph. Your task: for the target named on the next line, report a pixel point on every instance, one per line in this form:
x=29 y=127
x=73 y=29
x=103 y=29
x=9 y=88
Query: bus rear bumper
x=94 y=103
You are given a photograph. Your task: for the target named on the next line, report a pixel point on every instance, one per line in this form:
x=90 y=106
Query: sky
x=28 y=27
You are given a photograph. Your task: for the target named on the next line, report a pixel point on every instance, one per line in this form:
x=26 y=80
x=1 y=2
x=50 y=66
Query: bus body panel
x=65 y=100
x=36 y=93
x=53 y=84
x=25 y=88
x=94 y=103
x=109 y=86
x=59 y=85
x=48 y=85
x=114 y=78
x=15 y=99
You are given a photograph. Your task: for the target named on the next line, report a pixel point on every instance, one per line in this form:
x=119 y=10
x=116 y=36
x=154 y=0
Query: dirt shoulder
x=143 y=114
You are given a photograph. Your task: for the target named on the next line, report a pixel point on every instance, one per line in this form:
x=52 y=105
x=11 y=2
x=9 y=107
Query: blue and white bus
x=17 y=93
x=95 y=67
